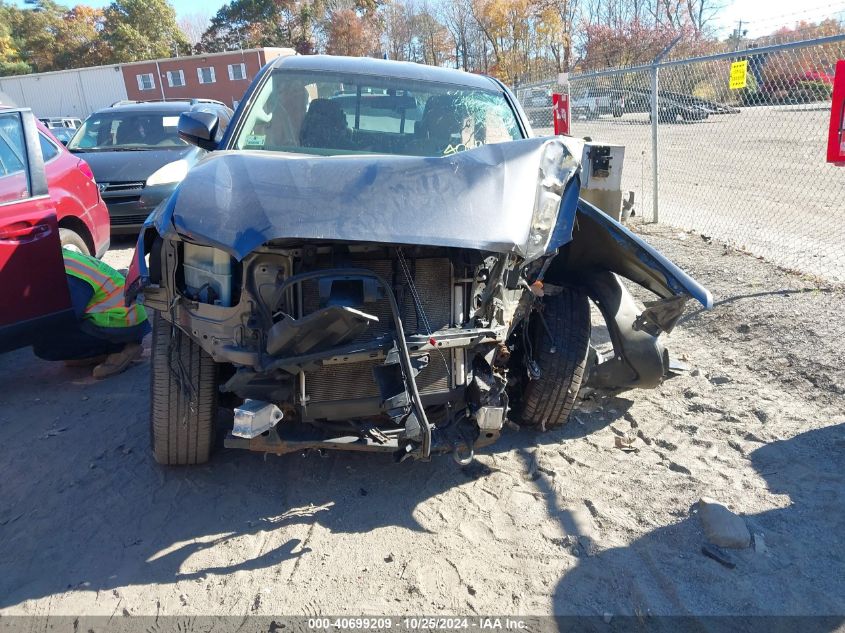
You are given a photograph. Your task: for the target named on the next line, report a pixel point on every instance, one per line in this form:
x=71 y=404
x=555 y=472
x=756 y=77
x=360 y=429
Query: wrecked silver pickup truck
x=377 y=256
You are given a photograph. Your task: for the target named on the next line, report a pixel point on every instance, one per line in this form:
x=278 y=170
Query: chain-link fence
x=743 y=165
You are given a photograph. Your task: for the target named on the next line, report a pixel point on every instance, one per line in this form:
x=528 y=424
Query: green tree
x=252 y=23
x=135 y=30
x=81 y=34
x=10 y=60
x=35 y=31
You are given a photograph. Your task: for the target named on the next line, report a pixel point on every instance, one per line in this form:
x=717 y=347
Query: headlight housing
x=557 y=167
x=169 y=173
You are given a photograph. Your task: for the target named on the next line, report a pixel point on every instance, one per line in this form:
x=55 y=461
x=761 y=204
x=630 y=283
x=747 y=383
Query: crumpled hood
x=481 y=199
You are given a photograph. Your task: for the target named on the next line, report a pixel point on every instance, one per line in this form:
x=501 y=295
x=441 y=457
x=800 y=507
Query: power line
x=815 y=13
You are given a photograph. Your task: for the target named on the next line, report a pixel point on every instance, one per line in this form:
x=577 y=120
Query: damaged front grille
x=432 y=279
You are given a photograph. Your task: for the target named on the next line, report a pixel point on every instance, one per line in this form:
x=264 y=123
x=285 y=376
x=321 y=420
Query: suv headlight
x=171 y=172
x=557 y=167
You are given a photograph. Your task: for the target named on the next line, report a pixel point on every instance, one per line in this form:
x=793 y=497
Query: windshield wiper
x=110 y=149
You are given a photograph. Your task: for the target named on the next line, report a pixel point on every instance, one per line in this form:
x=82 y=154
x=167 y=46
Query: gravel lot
x=757 y=179
x=563 y=522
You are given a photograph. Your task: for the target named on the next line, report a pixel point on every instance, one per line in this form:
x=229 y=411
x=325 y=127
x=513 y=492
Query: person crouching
x=106 y=334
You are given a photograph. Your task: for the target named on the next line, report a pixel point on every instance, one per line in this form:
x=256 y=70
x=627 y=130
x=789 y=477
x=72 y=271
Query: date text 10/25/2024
x=418 y=623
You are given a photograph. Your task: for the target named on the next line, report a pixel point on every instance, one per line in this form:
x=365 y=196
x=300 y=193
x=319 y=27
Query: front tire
x=549 y=399
x=183 y=397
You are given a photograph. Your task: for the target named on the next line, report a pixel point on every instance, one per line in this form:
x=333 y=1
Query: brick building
x=221 y=76
x=79 y=92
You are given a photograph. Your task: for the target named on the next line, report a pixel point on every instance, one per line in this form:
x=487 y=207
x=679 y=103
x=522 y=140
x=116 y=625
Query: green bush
x=14 y=68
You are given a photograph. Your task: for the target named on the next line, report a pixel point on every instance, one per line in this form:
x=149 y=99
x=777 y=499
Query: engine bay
x=364 y=339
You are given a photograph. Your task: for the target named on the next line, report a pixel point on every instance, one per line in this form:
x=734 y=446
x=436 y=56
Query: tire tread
x=180 y=436
x=549 y=400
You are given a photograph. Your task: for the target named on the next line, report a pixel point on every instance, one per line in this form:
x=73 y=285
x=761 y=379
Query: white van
x=70 y=122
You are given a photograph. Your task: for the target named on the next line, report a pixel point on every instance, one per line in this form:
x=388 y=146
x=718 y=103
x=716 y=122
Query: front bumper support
x=640 y=360
x=401 y=344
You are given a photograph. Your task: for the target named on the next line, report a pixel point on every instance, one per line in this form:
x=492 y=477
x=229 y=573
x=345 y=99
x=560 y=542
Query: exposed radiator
x=433 y=280
x=355 y=380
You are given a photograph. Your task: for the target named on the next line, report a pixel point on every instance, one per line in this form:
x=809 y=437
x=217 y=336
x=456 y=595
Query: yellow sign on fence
x=739 y=75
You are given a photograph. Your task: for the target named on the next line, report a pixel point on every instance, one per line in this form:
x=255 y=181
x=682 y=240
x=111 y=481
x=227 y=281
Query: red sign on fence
x=836 y=136
x=561 y=113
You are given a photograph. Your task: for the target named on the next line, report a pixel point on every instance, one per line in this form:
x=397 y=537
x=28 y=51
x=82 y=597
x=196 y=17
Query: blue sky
x=759 y=17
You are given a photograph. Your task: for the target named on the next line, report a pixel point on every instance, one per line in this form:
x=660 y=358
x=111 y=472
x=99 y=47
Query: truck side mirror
x=199 y=128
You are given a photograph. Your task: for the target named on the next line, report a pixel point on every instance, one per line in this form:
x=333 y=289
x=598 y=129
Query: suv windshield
x=340 y=113
x=127 y=130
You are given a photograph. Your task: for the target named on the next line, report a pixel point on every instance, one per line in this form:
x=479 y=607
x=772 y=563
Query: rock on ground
x=721 y=526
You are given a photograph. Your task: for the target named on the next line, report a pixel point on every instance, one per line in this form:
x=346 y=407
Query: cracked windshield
x=327 y=113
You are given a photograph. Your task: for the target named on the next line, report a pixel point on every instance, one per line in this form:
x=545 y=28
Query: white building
x=66 y=92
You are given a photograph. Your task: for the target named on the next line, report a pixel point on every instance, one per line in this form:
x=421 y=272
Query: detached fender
x=601 y=251
x=600 y=244
x=639 y=359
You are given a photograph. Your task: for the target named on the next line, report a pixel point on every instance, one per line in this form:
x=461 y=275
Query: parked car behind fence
x=714 y=175
x=61 y=122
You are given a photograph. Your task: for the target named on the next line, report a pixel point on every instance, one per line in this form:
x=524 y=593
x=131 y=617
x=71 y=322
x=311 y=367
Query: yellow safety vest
x=106 y=307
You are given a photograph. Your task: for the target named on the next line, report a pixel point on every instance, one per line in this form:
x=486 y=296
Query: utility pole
x=655 y=119
x=738 y=35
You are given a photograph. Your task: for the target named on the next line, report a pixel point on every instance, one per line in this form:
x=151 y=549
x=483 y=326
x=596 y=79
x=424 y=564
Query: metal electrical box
x=601 y=176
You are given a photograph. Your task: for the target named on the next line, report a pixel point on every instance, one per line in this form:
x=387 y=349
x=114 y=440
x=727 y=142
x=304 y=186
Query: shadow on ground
x=85 y=506
x=664 y=572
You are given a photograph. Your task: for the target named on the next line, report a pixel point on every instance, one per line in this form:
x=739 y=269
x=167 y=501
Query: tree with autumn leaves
x=516 y=40
x=48 y=36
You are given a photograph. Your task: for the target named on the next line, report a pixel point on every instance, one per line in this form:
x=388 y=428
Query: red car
x=82 y=215
x=48 y=198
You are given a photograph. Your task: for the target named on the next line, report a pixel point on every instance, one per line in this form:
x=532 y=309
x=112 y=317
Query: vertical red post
x=561 y=112
x=836 y=135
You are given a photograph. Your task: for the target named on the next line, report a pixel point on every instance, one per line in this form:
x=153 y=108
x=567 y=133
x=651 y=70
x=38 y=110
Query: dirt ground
x=563 y=522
